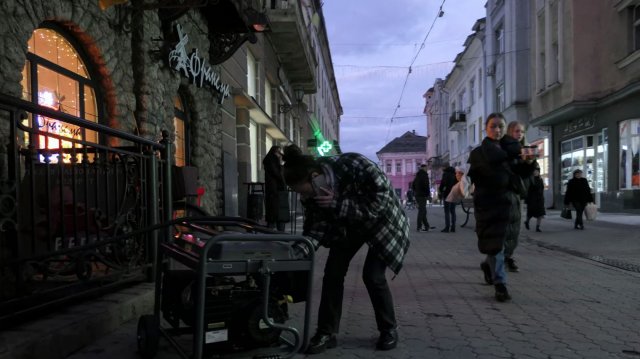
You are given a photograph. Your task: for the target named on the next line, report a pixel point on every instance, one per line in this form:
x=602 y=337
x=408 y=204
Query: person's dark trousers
x=449 y=215
x=422 y=212
x=579 y=211
x=373 y=275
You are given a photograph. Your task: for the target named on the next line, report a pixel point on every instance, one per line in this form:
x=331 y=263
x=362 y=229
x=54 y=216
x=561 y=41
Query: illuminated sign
x=324 y=148
x=196 y=68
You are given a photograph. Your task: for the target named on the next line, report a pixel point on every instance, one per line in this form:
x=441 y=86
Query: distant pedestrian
x=422 y=190
x=496 y=169
x=578 y=194
x=411 y=200
x=447 y=182
x=348 y=201
x=274 y=187
x=535 y=200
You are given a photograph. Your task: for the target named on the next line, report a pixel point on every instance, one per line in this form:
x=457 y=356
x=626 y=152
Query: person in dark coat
x=446 y=184
x=578 y=194
x=515 y=129
x=535 y=200
x=274 y=184
x=348 y=201
x=422 y=191
x=496 y=169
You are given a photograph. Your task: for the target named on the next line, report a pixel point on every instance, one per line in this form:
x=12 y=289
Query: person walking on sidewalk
x=496 y=172
x=274 y=186
x=516 y=130
x=446 y=184
x=348 y=201
x=535 y=200
x=422 y=191
x=578 y=194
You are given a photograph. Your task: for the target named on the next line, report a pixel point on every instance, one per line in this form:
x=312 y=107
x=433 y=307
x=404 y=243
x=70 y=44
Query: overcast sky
x=373 y=42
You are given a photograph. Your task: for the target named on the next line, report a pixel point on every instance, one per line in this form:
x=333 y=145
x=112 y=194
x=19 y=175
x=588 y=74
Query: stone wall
x=122 y=46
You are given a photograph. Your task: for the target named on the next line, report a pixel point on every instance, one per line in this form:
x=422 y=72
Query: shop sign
x=195 y=68
x=583 y=123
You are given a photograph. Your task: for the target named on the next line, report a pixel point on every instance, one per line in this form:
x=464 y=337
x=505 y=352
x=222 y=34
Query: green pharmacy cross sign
x=324 y=148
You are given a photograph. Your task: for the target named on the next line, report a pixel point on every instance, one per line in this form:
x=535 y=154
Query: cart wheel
x=148 y=336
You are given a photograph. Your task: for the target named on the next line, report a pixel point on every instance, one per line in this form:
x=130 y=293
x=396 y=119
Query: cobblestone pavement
x=564 y=306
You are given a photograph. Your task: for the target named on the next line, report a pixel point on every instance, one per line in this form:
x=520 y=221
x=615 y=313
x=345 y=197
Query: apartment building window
x=253 y=80
x=480 y=83
x=55 y=76
x=388 y=167
x=253 y=144
x=472 y=91
x=500 y=40
x=541 y=56
x=472 y=134
x=636 y=27
x=500 y=105
x=553 y=50
x=398 y=168
x=548 y=44
x=268 y=98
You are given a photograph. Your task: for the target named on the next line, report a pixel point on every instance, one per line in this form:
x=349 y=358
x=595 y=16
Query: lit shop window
x=55 y=76
x=180 y=124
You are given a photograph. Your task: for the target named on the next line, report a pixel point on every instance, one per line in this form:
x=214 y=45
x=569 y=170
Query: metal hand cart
x=197 y=290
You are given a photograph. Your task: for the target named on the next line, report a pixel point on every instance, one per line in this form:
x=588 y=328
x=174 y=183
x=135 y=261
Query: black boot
x=526 y=224
x=388 y=340
x=452 y=229
x=538 y=229
x=502 y=294
x=321 y=342
x=445 y=230
x=511 y=265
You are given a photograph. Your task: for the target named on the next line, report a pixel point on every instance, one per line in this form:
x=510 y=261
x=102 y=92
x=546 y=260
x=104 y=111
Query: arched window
x=56 y=76
x=181 y=124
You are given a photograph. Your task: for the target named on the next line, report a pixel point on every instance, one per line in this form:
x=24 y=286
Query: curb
x=60 y=334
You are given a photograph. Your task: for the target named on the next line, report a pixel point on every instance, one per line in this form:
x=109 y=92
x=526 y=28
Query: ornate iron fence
x=78 y=202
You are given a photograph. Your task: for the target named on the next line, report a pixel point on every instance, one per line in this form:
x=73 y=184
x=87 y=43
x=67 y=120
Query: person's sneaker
x=511 y=265
x=388 y=340
x=502 y=294
x=486 y=270
x=321 y=342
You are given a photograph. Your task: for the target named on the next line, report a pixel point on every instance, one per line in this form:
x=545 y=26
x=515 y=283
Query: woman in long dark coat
x=578 y=194
x=497 y=170
x=274 y=184
x=535 y=200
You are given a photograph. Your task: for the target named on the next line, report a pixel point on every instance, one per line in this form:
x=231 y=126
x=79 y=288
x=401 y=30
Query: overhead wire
x=404 y=86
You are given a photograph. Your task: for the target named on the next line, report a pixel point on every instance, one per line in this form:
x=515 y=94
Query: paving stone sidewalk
x=564 y=306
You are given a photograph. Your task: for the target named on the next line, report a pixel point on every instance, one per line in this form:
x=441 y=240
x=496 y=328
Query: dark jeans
x=579 y=211
x=449 y=215
x=422 y=212
x=373 y=275
x=278 y=225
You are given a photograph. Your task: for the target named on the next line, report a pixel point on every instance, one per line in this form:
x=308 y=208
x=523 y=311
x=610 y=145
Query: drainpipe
x=139 y=49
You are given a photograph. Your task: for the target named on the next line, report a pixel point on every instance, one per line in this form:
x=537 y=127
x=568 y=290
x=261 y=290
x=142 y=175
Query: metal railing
x=78 y=202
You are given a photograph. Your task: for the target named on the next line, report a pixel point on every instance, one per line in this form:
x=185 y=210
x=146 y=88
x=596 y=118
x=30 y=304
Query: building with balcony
x=401 y=158
x=585 y=89
x=465 y=98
